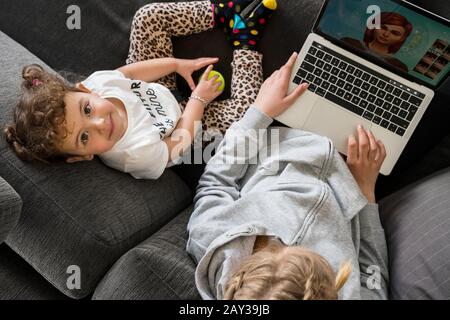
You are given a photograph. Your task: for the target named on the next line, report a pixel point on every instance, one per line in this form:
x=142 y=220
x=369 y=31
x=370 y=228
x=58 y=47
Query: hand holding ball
x=219 y=79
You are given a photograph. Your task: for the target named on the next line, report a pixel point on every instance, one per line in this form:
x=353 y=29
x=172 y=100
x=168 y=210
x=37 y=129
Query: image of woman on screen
x=386 y=41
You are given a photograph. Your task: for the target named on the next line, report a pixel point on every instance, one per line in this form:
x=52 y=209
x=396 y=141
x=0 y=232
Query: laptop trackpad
x=334 y=122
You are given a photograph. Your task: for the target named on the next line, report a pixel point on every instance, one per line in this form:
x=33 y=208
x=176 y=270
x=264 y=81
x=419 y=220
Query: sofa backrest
x=10 y=208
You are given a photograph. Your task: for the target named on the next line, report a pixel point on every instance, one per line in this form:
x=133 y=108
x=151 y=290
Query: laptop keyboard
x=365 y=92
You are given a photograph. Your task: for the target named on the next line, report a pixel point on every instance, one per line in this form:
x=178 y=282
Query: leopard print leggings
x=152 y=28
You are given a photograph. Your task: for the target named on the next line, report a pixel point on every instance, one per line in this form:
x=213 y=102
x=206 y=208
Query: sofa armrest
x=157 y=269
x=416 y=221
x=10 y=208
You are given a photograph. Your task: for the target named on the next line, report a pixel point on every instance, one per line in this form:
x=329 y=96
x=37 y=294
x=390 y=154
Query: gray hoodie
x=292 y=185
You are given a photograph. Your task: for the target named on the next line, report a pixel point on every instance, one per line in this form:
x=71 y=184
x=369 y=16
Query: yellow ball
x=270 y=4
x=219 y=79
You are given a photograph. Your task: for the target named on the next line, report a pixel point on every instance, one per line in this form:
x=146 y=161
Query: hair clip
x=36 y=82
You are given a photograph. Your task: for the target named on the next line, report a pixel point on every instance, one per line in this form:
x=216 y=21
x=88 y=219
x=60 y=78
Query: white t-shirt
x=153 y=113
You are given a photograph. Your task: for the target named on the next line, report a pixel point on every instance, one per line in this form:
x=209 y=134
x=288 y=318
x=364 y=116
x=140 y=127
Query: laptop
x=370 y=62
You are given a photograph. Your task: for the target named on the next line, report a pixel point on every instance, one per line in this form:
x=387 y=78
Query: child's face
x=93 y=124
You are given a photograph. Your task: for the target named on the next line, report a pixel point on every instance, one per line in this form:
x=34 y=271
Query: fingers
x=217 y=85
x=290 y=99
x=382 y=153
x=373 y=146
x=291 y=61
x=206 y=73
x=203 y=62
x=363 y=140
x=352 y=150
x=286 y=70
x=280 y=79
x=367 y=147
x=191 y=83
x=215 y=82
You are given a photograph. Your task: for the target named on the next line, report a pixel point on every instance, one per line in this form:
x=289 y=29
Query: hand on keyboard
x=365 y=156
x=272 y=98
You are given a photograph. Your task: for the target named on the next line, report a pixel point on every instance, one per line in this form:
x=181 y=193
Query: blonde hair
x=278 y=272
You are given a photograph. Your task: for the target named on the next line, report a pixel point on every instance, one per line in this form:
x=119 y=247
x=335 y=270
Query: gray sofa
x=127 y=237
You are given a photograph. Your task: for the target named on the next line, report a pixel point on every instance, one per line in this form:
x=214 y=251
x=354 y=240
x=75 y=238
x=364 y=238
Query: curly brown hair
x=39 y=116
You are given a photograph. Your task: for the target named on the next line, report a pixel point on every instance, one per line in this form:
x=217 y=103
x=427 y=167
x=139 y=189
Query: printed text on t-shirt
x=154 y=108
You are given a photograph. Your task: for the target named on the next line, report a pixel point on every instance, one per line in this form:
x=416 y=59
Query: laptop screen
x=407 y=40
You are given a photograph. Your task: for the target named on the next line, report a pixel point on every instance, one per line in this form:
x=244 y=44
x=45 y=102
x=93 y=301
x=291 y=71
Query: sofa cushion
x=10 y=208
x=417 y=225
x=82 y=214
x=158 y=268
x=19 y=281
